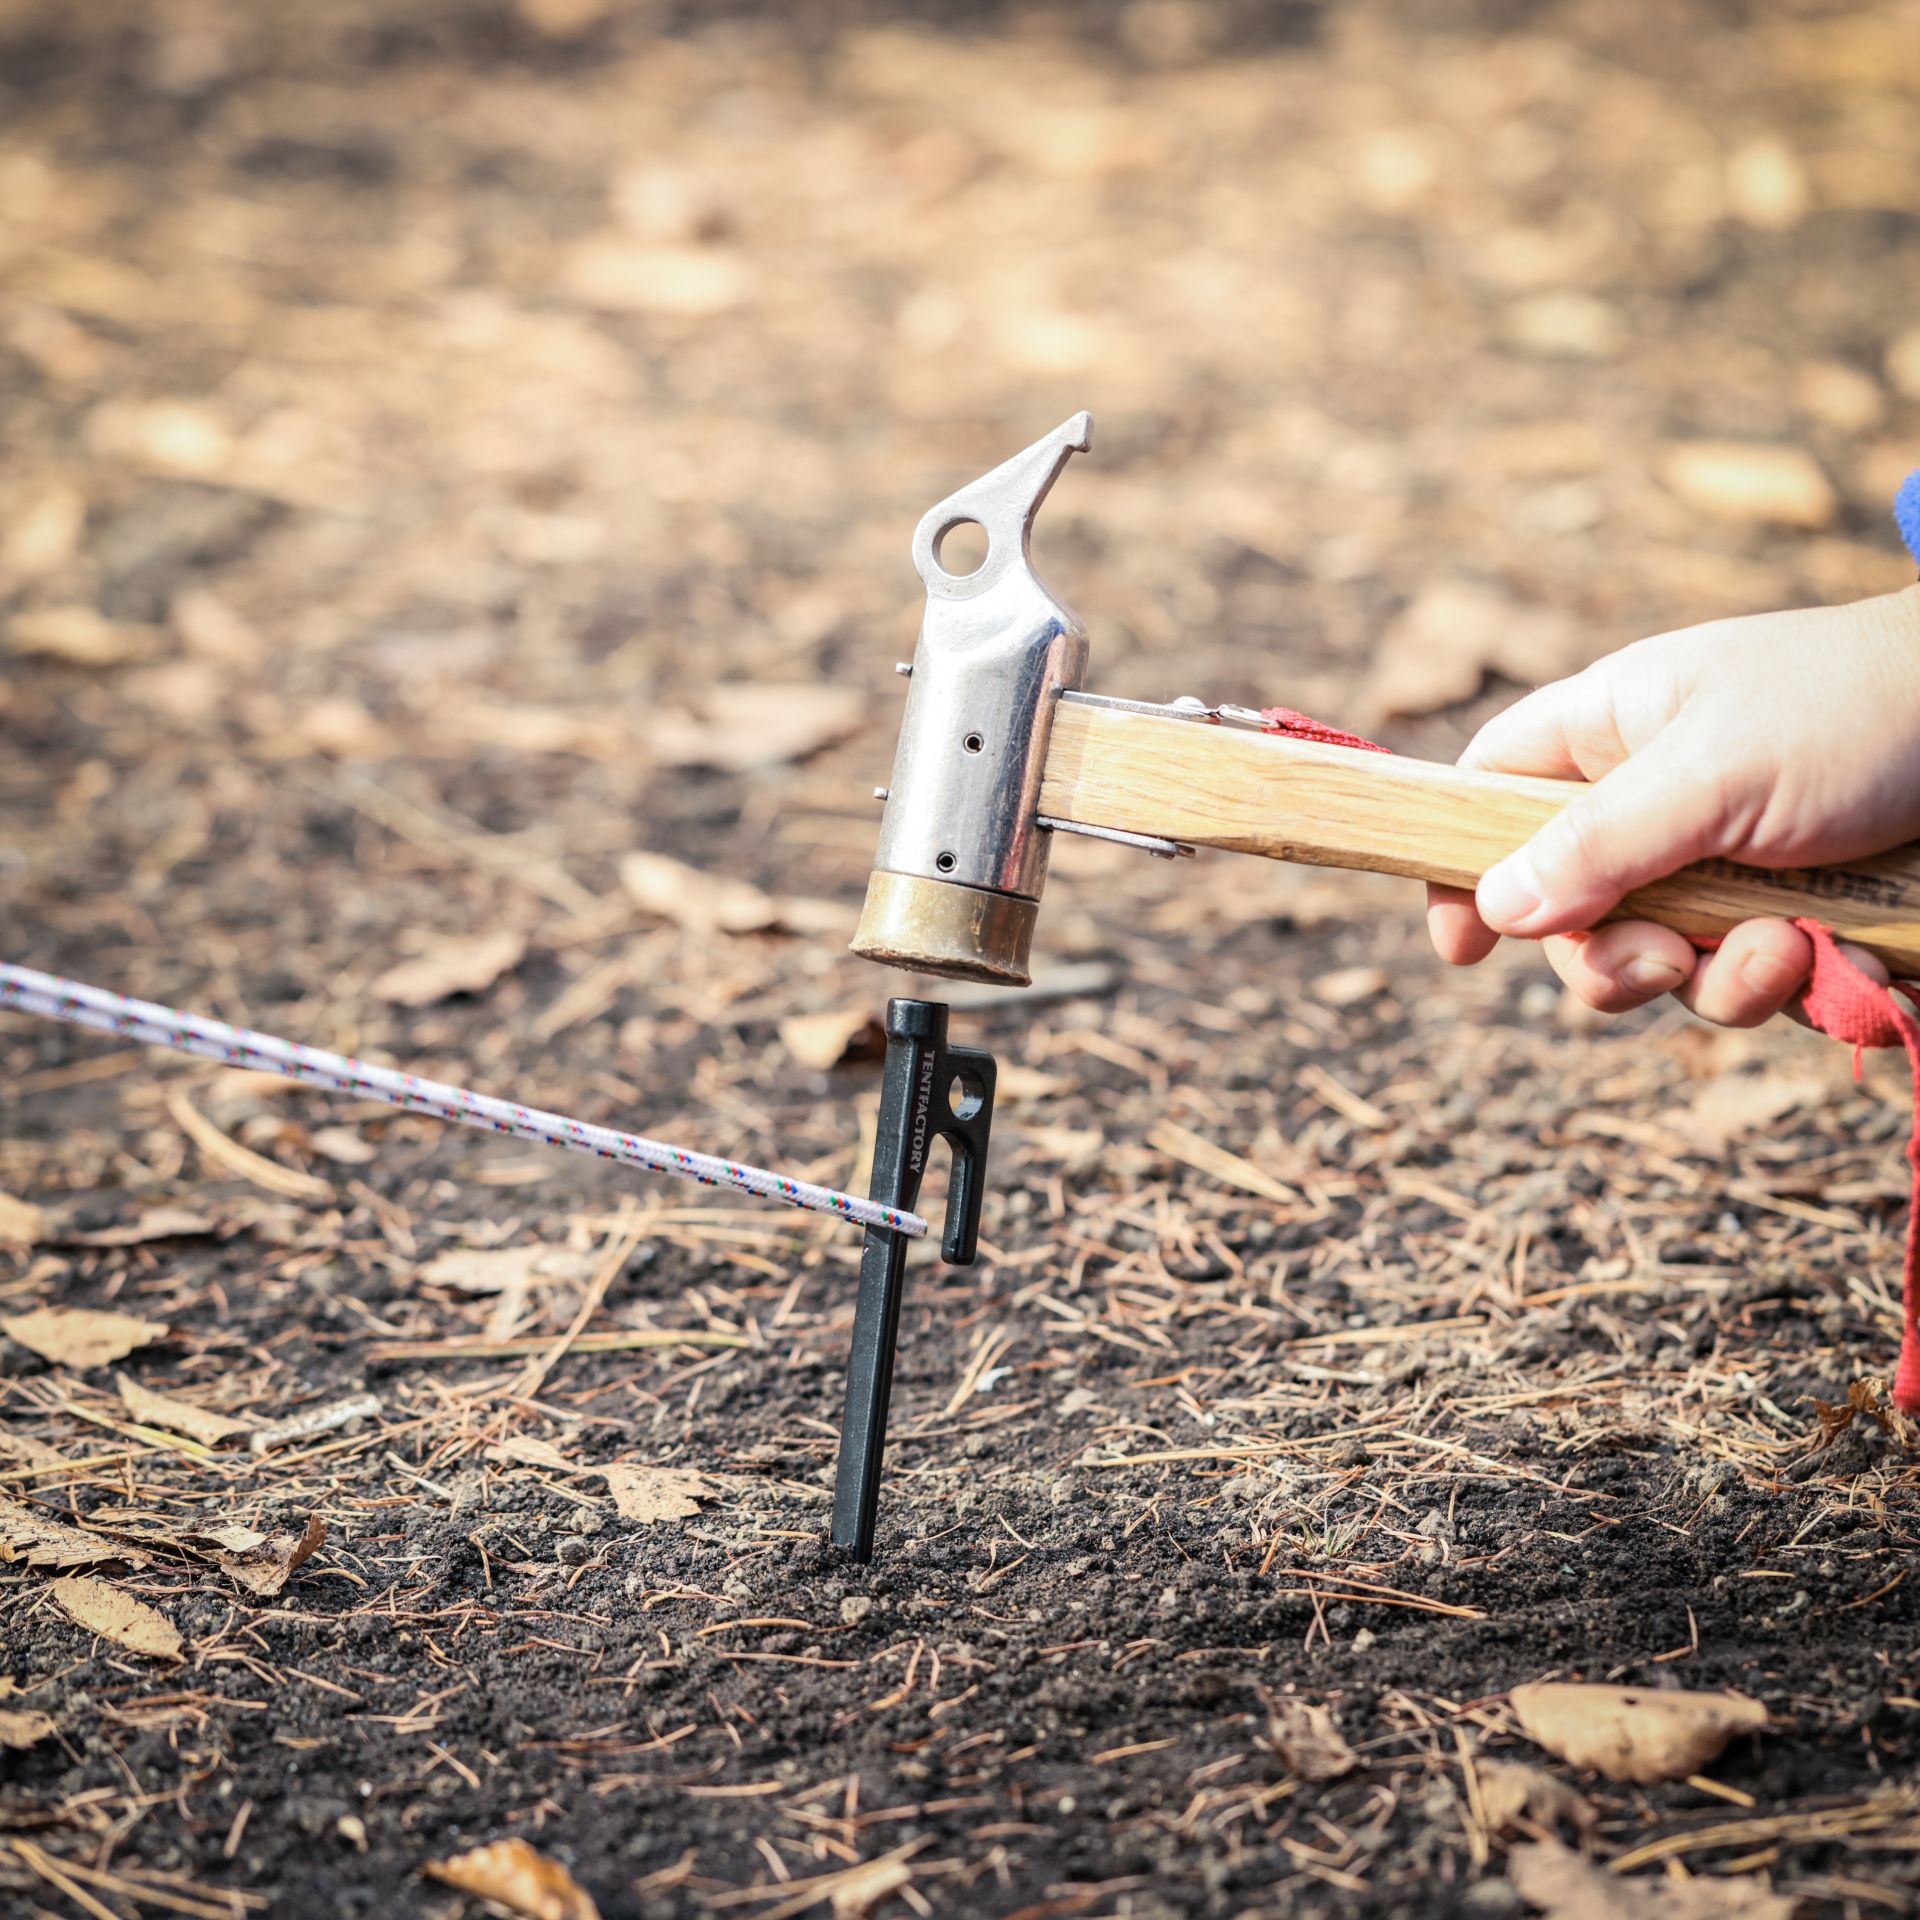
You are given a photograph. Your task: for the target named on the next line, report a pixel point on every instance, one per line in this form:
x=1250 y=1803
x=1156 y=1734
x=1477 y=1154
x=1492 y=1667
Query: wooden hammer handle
x=1284 y=799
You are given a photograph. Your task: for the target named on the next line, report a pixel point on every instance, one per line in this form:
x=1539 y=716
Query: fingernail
x=1769 y=976
x=1509 y=895
x=1645 y=974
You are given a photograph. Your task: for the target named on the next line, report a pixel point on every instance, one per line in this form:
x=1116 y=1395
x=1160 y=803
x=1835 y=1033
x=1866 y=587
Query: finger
x=1459 y=935
x=1622 y=966
x=1564 y=731
x=1757 y=971
x=1652 y=814
x=1870 y=964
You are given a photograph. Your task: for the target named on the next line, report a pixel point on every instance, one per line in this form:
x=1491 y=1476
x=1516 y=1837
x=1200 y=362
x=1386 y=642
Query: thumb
x=1655 y=812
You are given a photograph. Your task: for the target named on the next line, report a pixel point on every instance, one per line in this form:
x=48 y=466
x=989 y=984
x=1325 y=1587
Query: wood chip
x=1349 y=986
x=520 y=1878
x=490 y=1270
x=178 y=1416
x=451 y=967
x=230 y=1154
x=315 y=1421
x=1636 y=1734
x=646 y=1495
x=80 y=1336
x=157 y=1223
x=117 y=1616
x=1343 y=1100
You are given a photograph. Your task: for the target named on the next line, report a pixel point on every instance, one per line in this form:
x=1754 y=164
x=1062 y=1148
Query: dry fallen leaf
x=1734 y=481
x=117 y=1616
x=1767 y=185
x=833 y=1039
x=1452 y=635
x=22 y=1727
x=1737 y=1103
x=80 y=636
x=519 y=1877
x=1511 y=1794
x=645 y=1494
x=80 y=1336
x=29 y=1535
x=1903 y=363
x=1306 y=1740
x=177 y=1416
x=704 y=902
x=619 y=275
x=1555 y=1879
x=450 y=967
x=1634 y=1733
x=529 y=1451
x=1870 y=1397
x=745 y=725
x=45 y=534
x=262 y=1563
x=21 y=1222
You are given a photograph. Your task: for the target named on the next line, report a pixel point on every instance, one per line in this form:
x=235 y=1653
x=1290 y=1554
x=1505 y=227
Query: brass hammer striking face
x=1001 y=748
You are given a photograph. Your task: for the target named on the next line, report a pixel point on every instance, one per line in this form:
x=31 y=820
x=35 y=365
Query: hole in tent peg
x=966 y=1095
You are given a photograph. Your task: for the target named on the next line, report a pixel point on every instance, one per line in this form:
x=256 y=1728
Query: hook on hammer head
x=962 y=857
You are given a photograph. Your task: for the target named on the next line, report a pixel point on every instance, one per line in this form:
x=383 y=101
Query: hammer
x=1001 y=749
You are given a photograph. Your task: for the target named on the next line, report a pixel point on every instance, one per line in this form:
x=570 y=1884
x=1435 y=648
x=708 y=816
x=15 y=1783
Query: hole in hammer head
x=975 y=743
x=946 y=862
x=962 y=548
x=965 y=1096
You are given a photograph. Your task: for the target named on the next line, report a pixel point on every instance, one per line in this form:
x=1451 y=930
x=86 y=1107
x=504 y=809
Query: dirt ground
x=449 y=448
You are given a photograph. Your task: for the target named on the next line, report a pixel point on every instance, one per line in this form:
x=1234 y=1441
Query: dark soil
x=416 y=420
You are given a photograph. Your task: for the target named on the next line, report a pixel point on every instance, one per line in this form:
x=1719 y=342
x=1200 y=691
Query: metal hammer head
x=957 y=878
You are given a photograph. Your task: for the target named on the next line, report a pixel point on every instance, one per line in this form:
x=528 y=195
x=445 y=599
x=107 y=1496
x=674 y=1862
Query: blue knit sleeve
x=1906 y=513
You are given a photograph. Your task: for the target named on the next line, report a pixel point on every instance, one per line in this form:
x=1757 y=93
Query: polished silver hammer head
x=956 y=882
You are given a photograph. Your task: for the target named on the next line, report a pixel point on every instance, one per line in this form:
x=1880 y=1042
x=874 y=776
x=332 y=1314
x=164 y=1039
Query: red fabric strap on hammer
x=1840 y=1000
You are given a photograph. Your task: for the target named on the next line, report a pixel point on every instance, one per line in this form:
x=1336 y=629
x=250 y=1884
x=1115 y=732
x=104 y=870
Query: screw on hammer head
x=962 y=857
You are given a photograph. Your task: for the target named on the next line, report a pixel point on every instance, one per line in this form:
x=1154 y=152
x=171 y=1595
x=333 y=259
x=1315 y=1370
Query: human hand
x=1778 y=740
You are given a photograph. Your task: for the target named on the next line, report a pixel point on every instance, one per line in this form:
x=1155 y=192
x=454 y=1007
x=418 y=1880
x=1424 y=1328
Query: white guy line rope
x=54 y=998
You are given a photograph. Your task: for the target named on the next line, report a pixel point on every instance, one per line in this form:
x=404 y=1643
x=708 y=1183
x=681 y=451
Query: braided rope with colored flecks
x=54 y=998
